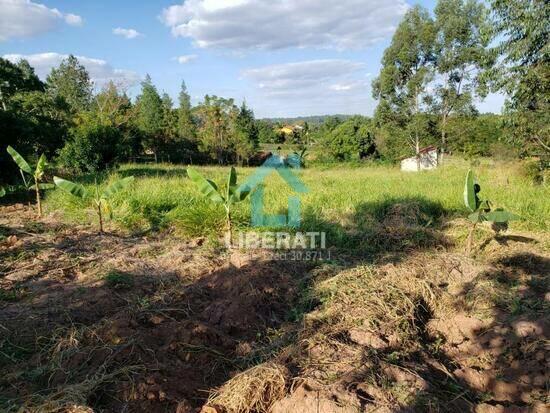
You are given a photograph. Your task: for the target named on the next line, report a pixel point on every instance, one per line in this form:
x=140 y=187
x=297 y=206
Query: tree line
x=86 y=131
x=436 y=66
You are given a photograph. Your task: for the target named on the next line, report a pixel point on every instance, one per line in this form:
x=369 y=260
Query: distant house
x=428 y=158
x=290 y=129
x=287 y=130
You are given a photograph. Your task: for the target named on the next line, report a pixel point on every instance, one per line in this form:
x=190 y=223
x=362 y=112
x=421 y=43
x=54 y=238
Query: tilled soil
x=120 y=323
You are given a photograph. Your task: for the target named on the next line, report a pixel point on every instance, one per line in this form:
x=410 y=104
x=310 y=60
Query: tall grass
x=341 y=200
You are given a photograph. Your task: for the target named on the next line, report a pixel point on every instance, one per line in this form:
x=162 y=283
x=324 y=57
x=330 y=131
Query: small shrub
x=118 y=280
x=535 y=170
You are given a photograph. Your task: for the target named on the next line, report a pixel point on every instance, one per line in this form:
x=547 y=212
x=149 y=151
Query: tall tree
x=525 y=76
x=150 y=116
x=112 y=106
x=71 y=82
x=187 y=128
x=217 y=127
x=463 y=33
x=246 y=136
x=407 y=66
x=14 y=78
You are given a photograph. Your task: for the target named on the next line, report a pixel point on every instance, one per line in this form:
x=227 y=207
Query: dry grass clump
x=73 y=398
x=254 y=390
x=393 y=302
x=77 y=364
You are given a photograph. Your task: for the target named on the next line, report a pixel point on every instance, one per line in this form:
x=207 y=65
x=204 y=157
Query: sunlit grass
x=341 y=199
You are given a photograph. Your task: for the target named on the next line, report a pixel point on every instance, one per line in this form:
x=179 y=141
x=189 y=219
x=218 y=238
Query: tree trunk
x=443 y=134
x=100 y=217
x=229 y=228
x=38 y=201
x=416 y=134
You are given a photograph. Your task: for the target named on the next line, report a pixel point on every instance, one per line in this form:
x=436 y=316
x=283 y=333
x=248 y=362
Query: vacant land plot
x=156 y=315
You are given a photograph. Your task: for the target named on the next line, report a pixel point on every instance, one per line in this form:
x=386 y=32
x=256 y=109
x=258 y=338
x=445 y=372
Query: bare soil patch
x=117 y=323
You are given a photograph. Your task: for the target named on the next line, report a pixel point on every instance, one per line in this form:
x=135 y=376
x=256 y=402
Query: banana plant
x=2 y=191
x=301 y=157
x=232 y=195
x=36 y=175
x=99 y=199
x=297 y=159
x=482 y=210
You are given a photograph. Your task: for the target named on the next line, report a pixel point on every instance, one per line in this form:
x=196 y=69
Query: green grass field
x=345 y=201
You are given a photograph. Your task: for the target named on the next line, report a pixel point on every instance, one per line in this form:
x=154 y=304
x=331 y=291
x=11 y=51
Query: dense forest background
x=436 y=66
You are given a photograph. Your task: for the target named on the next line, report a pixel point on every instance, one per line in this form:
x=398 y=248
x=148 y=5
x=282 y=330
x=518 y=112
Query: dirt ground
x=118 y=323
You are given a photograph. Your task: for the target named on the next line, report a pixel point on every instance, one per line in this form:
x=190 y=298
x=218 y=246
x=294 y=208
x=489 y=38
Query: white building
x=428 y=157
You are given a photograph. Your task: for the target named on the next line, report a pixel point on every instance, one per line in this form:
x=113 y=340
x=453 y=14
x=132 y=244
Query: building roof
x=421 y=151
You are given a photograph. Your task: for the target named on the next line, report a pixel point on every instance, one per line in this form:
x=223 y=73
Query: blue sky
x=286 y=58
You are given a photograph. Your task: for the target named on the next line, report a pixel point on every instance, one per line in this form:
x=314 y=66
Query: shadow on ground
x=389 y=228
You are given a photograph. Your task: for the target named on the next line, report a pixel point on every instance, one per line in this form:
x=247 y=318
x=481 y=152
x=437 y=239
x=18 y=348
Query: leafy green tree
x=29 y=119
x=407 y=67
x=525 y=76
x=31 y=82
x=187 y=128
x=246 y=136
x=41 y=123
x=112 y=106
x=16 y=78
x=150 y=113
x=92 y=145
x=351 y=140
x=266 y=132
x=70 y=82
x=463 y=34
x=216 y=127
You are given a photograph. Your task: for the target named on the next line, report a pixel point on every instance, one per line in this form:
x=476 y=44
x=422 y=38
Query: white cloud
x=100 y=71
x=73 y=19
x=23 y=18
x=303 y=77
x=277 y=24
x=186 y=58
x=128 y=33
x=308 y=87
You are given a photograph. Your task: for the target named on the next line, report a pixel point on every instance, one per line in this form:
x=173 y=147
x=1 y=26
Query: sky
x=284 y=57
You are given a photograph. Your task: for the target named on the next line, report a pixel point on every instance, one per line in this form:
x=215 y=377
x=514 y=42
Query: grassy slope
x=342 y=200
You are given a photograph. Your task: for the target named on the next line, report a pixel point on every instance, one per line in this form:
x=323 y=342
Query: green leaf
x=2 y=191
x=499 y=215
x=240 y=193
x=42 y=186
x=469 y=192
x=231 y=183
x=74 y=189
x=19 y=160
x=117 y=186
x=206 y=187
x=40 y=167
x=477 y=217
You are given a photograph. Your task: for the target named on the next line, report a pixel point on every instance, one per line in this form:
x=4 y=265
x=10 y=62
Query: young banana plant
x=481 y=210
x=300 y=157
x=36 y=175
x=233 y=194
x=2 y=191
x=100 y=200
